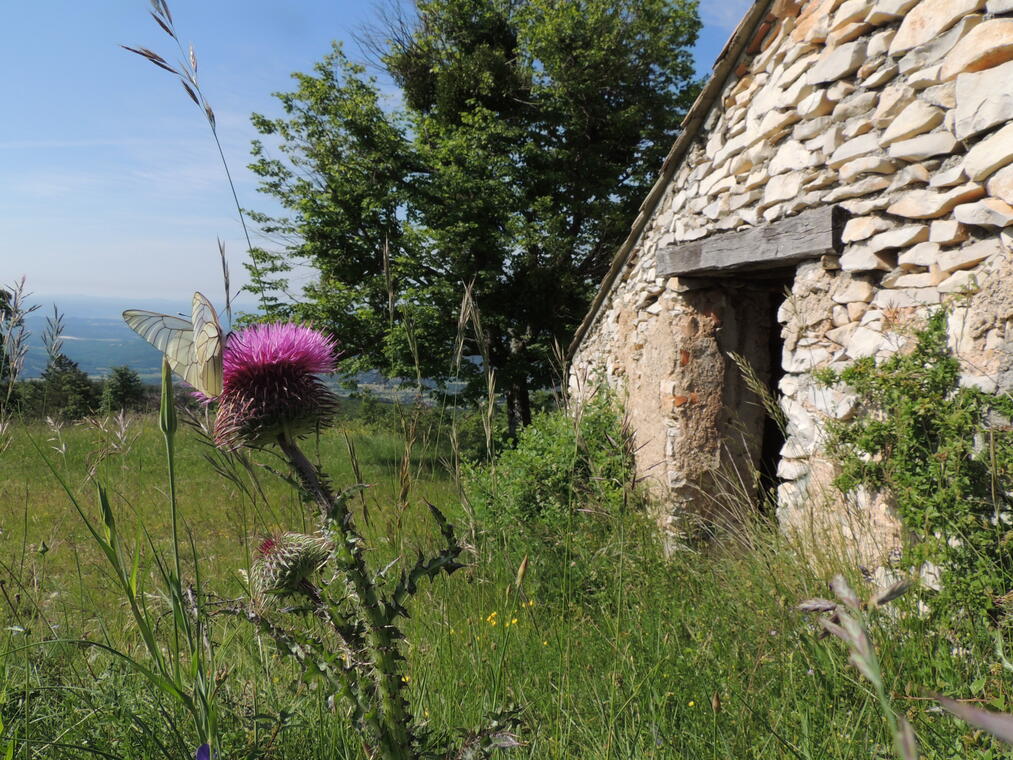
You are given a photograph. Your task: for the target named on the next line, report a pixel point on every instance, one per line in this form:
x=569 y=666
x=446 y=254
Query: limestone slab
x=990 y=212
x=969 y=256
x=921 y=255
x=984 y=100
x=999 y=6
x=881 y=76
x=865 y=342
x=1000 y=184
x=925 y=146
x=886 y=11
x=928 y=204
x=838 y=62
x=987 y=45
x=960 y=282
x=857 y=189
x=863 y=228
x=951 y=177
x=855 y=290
x=867 y=165
x=815 y=105
x=857 y=147
x=933 y=52
x=928 y=19
x=901 y=237
x=858 y=258
x=990 y=155
x=894 y=99
x=942 y=95
x=947 y=232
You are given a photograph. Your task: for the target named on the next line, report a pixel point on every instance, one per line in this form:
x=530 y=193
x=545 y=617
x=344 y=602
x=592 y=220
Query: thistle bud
x=284 y=563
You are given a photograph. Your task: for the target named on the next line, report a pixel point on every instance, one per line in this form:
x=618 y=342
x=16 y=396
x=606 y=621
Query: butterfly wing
x=170 y=335
x=208 y=344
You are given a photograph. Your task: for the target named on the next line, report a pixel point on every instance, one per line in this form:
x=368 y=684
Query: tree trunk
x=518 y=406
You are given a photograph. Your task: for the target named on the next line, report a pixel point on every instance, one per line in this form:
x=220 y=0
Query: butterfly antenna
x=225 y=277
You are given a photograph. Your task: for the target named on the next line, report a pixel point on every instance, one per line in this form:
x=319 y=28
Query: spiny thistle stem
x=381 y=645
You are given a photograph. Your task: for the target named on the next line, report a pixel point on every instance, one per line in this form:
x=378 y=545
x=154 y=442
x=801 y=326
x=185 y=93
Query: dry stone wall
x=899 y=111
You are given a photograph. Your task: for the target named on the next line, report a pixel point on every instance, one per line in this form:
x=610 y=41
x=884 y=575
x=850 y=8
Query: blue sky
x=110 y=183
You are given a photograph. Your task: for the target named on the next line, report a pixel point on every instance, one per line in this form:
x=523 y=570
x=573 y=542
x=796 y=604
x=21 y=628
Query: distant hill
x=96 y=337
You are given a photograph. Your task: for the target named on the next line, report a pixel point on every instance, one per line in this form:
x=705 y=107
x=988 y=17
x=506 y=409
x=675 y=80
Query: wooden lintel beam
x=808 y=235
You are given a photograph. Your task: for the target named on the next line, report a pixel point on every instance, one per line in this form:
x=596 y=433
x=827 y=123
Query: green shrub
x=564 y=495
x=559 y=464
x=936 y=447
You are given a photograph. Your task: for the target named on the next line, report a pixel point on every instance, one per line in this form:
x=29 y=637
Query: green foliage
x=945 y=453
x=64 y=391
x=529 y=135
x=559 y=464
x=122 y=390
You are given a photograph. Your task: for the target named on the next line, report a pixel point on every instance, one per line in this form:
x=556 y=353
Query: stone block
x=902 y=237
x=861 y=259
x=855 y=105
x=919 y=280
x=854 y=291
x=997 y=7
x=987 y=45
x=791 y=156
x=969 y=256
x=921 y=255
x=924 y=78
x=856 y=310
x=882 y=75
x=838 y=62
x=863 y=145
x=886 y=11
x=879 y=43
x=960 y=282
x=947 y=232
x=990 y=155
x=815 y=105
x=917 y=119
x=951 y=177
x=984 y=100
x=942 y=95
x=892 y=101
x=933 y=53
x=928 y=19
x=925 y=146
x=782 y=188
x=857 y=189
x=863 y=228
x=865 y=342
x=928 y=204
x=866 y=165
x=1000 y=184
x=990 y=212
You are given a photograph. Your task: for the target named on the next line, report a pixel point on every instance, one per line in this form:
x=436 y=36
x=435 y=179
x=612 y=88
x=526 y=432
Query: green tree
x=64 y=390
x=122 y=390
x=530 y=130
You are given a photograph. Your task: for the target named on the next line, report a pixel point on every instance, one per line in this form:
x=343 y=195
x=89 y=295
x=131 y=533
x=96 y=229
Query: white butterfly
x=193 y=349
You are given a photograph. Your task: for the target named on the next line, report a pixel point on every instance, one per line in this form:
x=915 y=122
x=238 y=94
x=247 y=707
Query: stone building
x=847 y=168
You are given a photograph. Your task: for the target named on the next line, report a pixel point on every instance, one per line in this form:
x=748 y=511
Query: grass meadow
x=700 y=655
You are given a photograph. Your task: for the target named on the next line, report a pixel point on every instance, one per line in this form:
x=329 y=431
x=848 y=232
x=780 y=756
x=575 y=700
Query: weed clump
x=945 y=454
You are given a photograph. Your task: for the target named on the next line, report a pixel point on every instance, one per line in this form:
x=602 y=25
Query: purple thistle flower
x=269 y=386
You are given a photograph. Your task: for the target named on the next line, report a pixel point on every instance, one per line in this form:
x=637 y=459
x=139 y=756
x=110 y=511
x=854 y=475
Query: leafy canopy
x=527 y=134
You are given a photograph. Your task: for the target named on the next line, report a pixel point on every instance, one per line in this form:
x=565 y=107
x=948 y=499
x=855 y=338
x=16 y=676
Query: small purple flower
x=269 y=387
x=203 y=752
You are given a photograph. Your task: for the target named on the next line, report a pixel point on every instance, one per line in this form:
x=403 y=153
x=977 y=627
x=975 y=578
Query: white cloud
x=723 y=14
